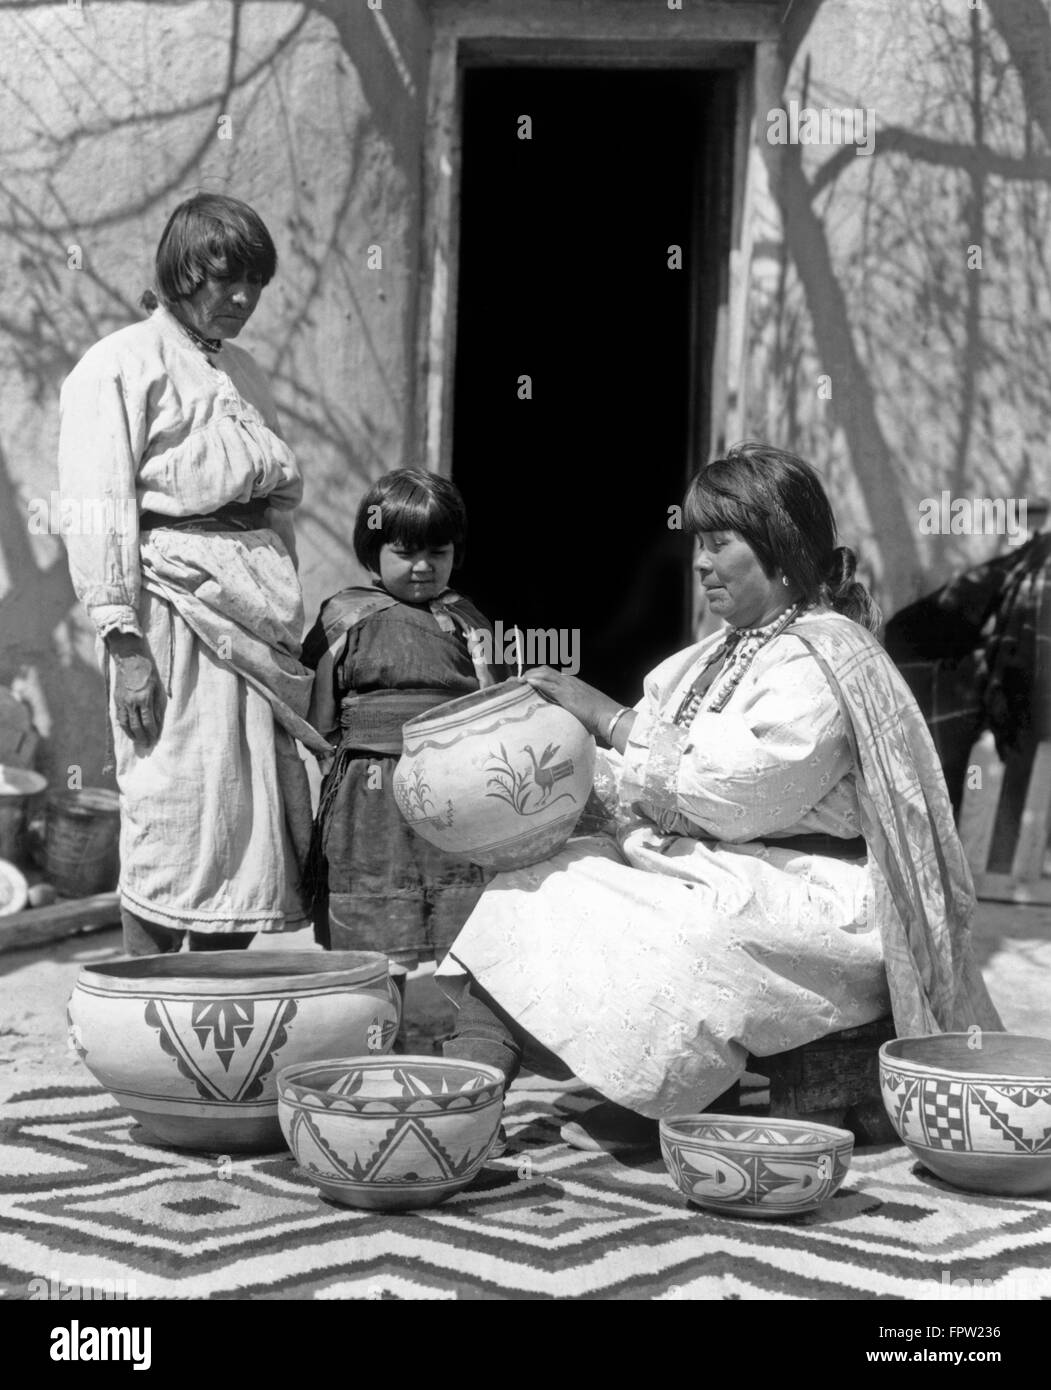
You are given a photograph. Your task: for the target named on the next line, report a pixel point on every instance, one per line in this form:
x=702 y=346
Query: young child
x=383 y=654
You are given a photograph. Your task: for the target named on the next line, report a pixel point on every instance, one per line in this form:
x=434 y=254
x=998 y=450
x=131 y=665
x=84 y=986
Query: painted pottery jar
x=744 y=1167
x=975 y=1108
x=190 y=1044
x=499 y=777
x=392 y=1133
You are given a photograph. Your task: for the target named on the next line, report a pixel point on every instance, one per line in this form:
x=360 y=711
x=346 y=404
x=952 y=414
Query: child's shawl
x=924 y=894
x=346 y=610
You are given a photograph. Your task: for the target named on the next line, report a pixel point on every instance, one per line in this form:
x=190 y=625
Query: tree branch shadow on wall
x=50 y=317
x=906 y=309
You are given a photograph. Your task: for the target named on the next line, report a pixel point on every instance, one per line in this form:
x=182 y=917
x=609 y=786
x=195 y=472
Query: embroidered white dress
x=653 y=963
x=215 y=818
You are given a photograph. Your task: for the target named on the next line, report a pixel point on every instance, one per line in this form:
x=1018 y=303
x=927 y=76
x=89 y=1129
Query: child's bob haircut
x=412 y=509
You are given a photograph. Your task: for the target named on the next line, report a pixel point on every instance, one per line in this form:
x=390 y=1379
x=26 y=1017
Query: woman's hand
x=136 y=689
x=591 y=707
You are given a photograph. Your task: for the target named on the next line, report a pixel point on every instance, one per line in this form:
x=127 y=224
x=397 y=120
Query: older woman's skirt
x=654 y=972
x=214 y=817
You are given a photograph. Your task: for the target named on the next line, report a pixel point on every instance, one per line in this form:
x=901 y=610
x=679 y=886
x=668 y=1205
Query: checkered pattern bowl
x=975 y=1108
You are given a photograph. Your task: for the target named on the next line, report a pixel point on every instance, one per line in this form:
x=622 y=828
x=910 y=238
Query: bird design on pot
x=517 y=787
x=545 y=777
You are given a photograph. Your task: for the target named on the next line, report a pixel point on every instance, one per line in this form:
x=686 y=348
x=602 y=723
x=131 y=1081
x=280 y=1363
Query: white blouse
x=149 y=423
x=775 y=761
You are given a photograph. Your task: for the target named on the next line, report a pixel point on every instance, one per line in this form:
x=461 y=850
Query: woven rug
x=86 y=1197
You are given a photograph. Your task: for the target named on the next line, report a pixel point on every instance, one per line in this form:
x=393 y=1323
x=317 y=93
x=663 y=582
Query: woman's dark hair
x=413 y=509
x=777 y=503
x=210 y=234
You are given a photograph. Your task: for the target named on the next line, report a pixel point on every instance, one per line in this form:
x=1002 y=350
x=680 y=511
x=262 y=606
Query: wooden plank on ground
x=980 y=806
x=38 y=925
x=1032 y=833
x=1003 y=888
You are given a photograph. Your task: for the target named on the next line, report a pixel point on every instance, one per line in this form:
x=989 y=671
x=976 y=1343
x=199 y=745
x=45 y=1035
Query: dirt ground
x=1013 y=944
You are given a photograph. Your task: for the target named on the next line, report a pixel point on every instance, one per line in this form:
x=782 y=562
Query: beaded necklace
x=731 y=662
x=207 y=345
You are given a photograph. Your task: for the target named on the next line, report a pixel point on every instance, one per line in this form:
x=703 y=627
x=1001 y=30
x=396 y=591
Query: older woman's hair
x=210 y=234
x=777 y=503
x=413 y=509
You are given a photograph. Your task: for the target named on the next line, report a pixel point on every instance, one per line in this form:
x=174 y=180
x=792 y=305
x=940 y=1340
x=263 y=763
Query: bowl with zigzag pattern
x=974 y=1107
x=392 y=1133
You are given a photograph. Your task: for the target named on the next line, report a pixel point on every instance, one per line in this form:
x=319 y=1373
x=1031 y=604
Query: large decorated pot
x=191 y=1044
x=499 y=777
x=975 y=1108
x=393 y=1133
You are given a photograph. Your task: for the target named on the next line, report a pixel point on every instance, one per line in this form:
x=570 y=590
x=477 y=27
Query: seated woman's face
x=737 y=587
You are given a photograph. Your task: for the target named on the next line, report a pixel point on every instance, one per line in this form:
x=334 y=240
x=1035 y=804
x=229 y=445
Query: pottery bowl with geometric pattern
x=393 y=1133
x=190 y=1044
x=975 y=1107
x=761 y=1167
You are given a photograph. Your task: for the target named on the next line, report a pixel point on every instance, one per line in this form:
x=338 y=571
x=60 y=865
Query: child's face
x=415 y=576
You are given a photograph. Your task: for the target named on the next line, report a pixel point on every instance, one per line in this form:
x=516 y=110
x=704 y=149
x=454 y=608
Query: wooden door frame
x=614 y=34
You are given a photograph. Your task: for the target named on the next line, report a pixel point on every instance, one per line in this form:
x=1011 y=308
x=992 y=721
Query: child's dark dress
x=378 y=886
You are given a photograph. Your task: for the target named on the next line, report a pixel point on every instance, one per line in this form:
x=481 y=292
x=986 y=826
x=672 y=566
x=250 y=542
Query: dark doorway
x=565 y=278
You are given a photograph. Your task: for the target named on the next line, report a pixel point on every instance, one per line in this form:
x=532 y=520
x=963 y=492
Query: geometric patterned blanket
x=85 y=1197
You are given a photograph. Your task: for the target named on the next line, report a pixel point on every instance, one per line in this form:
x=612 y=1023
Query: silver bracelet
x=625 y=709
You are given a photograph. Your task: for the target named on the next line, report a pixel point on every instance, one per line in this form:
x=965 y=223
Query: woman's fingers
x=137 y=700
x=547 y=683
x=157 y=705
x=147 y=720
x=133 y=725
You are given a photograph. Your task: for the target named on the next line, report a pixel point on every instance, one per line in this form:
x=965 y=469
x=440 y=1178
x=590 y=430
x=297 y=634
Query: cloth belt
x=829 y=845
x=234 y=516
x=373 y=722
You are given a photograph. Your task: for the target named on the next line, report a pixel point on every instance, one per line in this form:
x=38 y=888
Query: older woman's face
x=220 y=307
x=737 y=586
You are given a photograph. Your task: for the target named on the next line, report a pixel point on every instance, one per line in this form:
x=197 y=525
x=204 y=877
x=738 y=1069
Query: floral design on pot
x=528 y=791
x=189 y=1044
x=414 y=801
x=767 y=1168
x=393 y=1133
x=975 y=1108
x=472 y=782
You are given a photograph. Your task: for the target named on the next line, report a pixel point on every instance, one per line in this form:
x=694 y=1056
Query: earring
x=784 y=580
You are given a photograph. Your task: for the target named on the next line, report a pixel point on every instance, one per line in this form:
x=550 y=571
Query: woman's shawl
x=238 y=591
x=924 y=894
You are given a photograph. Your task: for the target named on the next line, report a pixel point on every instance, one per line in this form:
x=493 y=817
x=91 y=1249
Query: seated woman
x=780 y=861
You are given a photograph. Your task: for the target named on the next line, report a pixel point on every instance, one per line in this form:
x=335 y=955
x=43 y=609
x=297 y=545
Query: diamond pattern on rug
x=544 y=1221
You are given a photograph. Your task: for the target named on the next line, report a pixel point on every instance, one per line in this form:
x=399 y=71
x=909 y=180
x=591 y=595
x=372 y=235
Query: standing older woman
x=170 y=433
x=781 y=863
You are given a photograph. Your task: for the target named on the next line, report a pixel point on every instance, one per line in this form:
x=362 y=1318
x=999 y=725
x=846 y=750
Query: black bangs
x=707 y=509
x=418 y=523
x=412 y=509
